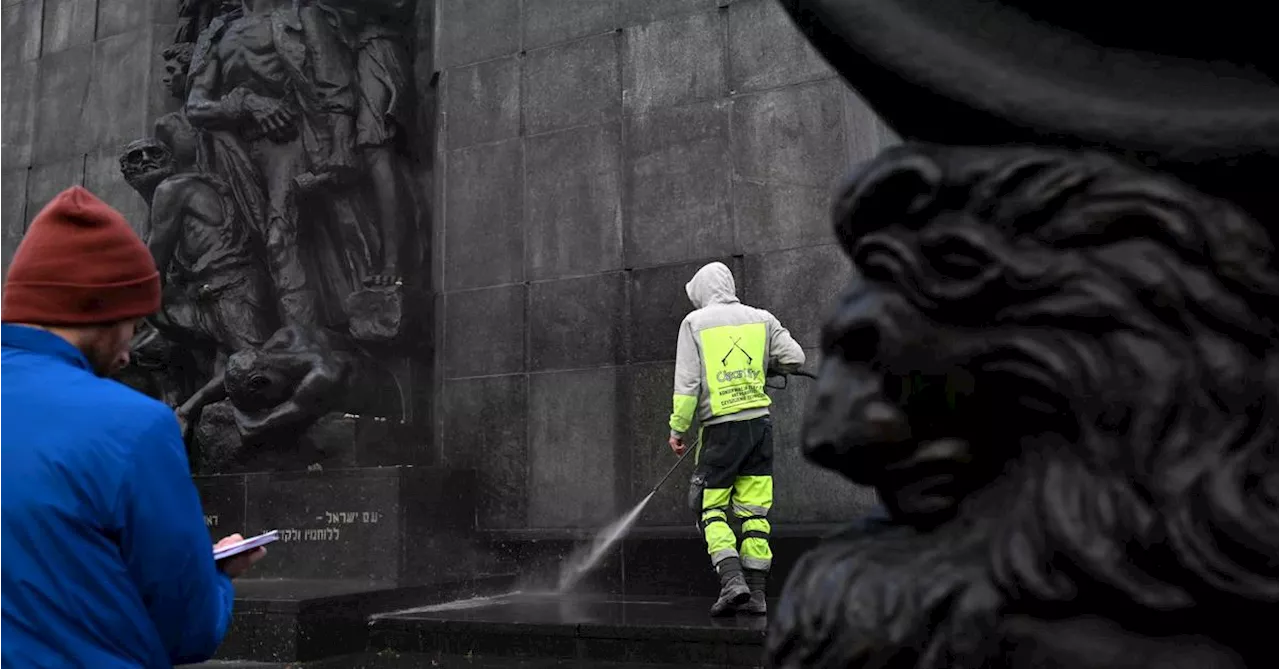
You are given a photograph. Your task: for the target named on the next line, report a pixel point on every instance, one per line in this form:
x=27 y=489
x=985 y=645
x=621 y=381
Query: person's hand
x=272 y=118
x=677 y=444
x=236 y=565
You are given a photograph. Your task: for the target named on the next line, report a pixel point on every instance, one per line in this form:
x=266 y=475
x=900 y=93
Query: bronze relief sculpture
x=1056 y=360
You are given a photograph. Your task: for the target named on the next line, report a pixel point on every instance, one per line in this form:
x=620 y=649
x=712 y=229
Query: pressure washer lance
x=697 y=442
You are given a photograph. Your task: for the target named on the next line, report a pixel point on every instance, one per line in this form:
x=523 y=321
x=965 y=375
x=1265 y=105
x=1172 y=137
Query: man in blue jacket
x=107 y=562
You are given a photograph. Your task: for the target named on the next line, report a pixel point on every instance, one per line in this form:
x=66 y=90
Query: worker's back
x=735 y=345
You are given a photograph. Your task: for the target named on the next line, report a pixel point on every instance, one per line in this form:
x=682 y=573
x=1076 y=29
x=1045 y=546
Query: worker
x=724 y=352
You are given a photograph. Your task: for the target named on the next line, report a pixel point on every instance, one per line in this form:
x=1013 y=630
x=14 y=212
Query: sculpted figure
x=1059 y=371
x=297 y=376
x=215 y=291
x=177 y=62
x=374 y=30
x=273 y=88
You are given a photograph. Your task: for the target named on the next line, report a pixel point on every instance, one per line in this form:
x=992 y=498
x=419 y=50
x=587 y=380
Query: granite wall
x=80 y=79
x=592 y=155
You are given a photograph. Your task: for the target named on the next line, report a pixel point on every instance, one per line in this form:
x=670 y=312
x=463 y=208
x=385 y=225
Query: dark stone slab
x=677 y=187
x=223 y=499
x=572 y=431
x=673 y=62
x=65 y=79
x=551 y=21
x=766 y=50
x=799 y=286
x=576 y=323
x=658 y=304
x=772 y=215
x=643 y=11
x=573 y=208
x=485 y=429
x=648 y=407
x=120 y=16
x=475 y=30
x=331 y=441
x=792 y=135
x=482 y=102
x=484 y=331
x=67 y=24
x=379 y=524
x=483 y=240
x=17 y=116
x=13 y=205
x=21 y=32
x=571 y=84
x=46 y=181
x=112 y=115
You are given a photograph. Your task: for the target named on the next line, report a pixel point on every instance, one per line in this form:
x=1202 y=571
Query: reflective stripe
x=746 y=511
x=756 y=563
x=720 y=556
x=682 y=409
x=734 y=358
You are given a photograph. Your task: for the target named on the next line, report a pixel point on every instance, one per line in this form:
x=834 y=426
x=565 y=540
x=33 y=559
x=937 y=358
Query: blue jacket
x=107 y=562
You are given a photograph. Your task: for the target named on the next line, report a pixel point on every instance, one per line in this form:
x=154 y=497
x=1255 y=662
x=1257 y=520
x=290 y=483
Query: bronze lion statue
x=1059 y=371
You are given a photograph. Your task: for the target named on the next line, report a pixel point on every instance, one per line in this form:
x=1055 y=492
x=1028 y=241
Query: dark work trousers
x=735 y=471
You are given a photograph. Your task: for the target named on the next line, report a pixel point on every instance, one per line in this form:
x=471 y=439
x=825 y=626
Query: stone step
x=578 y=630
x=301 y=620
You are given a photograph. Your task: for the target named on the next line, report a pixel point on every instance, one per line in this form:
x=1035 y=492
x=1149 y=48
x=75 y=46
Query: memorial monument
x=283 y=221
x=1056 y=361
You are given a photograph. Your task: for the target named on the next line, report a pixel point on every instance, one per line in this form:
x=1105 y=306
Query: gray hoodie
x=723 y=353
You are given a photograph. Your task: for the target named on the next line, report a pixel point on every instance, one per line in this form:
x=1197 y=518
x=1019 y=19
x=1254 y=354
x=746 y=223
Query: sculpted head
x=145 y=163
x=1059 y=372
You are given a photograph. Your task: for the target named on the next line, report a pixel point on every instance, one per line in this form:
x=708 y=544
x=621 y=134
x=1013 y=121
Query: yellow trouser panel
x=721 y=542
x=734 y=358
x=752 y=499
x=682 y=408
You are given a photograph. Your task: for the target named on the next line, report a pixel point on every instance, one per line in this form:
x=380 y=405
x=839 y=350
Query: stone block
x=482 y=102
x=631 y=12
x=573 y=429
x=658 y=304
x=46 y=181
x=120 y=16
x=772 y=216
x=767 y=51
x=112 y=115
x=483 y=240
x=677 y=177
x=17 y=111
x=793 y=135
x=102 y=177
x=647 y=402
x=360 y=523
x=13 y=217
x=803 y=491
x=21 y=31
x=223 y=500
x=673 y=62
x=68 y=24
x=866 y=134
x=476 y=30
x=484 y=331
x=486 y=430
x=571 y=84
x=576 y=323
x=551 y=21
x=799 y=286
x=61 y=102
x=573 y=208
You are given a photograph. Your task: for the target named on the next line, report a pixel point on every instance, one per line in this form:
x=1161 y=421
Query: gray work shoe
x=733 y=589
x=755 y=582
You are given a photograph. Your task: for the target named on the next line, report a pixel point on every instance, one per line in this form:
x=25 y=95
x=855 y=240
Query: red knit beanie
x=79 y=264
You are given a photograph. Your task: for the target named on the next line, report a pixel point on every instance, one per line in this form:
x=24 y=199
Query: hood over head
x=713 y=284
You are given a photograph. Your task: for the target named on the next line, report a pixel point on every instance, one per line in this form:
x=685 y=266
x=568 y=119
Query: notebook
x=245 y=545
